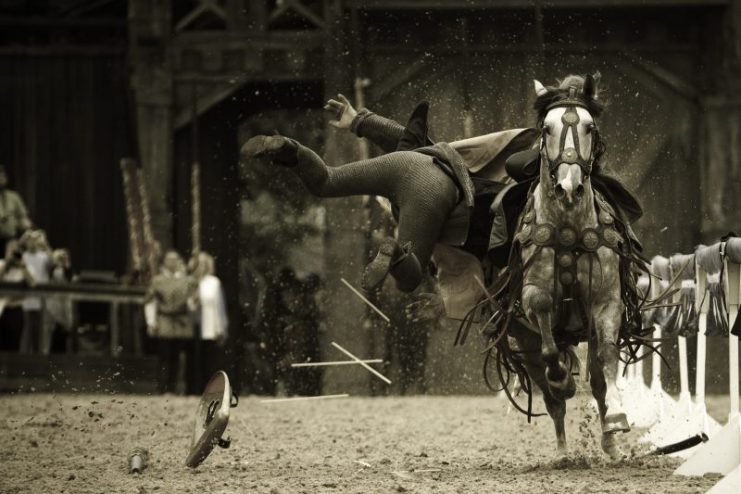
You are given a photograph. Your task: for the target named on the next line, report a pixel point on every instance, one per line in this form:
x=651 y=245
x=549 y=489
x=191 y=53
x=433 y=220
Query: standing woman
x=167 y=311
x=211 y=317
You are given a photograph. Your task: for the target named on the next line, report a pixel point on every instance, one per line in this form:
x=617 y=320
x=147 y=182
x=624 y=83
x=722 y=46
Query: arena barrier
x=635 y=395
x=722 y=453
x=677 y=420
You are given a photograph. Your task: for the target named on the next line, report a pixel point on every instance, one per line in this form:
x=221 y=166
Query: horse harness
x=570 y=120
x=569 y=244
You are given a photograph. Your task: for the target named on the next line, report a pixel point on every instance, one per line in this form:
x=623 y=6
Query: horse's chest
x=563 y=258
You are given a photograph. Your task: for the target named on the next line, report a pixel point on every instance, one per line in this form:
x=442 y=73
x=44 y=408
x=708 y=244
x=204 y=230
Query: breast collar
x=567 y=241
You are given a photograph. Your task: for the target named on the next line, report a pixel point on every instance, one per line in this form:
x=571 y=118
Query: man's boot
x=279 y=149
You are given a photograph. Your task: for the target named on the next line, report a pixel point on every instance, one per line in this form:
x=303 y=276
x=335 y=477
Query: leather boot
x=416 y=132
x=376 y=270
x=279 y=149
x=406 y=270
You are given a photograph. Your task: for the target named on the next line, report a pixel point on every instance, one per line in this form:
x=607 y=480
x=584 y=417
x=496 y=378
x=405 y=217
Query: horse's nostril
x=559 y=190
x=579 y=190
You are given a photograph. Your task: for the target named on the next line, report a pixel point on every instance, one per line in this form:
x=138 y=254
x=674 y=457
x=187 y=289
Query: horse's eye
x=547 y=129
x=590 y=128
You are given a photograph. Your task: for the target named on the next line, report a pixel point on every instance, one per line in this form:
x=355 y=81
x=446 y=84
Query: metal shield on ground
x=211 y=418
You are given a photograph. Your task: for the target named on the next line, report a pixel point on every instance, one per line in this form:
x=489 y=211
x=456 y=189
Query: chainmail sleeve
x=381 y=131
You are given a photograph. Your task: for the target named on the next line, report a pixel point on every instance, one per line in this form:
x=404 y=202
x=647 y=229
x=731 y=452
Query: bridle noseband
x=571 y=155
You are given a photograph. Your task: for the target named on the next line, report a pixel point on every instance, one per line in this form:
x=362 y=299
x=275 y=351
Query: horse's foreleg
x=599 y=391
x=540 y=312
x=529 y=344
x=604 y=361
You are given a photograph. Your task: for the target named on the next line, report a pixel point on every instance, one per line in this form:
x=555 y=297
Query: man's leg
x=424 y=194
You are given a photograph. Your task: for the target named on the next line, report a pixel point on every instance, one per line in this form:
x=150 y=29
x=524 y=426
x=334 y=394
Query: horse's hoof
x=610 y=447
x=377 y=270
x=562 y=389
x=616 y=422
x=280 y=149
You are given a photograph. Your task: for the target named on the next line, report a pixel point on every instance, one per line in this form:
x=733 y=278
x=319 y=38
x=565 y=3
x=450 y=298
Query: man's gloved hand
x=426 y=307
x=341 y=111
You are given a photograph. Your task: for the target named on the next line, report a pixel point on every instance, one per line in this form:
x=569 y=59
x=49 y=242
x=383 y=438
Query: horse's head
x=570 y=144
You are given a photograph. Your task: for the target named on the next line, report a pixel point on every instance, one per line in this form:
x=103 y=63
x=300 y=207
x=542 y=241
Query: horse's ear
x=540 y=89
x=590 y=87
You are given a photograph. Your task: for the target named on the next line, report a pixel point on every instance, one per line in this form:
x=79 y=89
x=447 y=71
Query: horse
x=569 y=249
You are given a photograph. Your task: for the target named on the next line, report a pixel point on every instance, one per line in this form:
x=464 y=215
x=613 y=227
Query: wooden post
x=344 y=247
x=195 y=180
x=114 y=328
x=702 y=304
x=152 y=81
x=732 y=288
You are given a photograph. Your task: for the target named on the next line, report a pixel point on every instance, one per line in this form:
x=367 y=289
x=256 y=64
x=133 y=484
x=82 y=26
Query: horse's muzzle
x=569 y=196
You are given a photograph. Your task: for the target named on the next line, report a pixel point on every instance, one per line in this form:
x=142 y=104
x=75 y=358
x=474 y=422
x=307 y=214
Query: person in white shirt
x=211 y=318
x=37 y=259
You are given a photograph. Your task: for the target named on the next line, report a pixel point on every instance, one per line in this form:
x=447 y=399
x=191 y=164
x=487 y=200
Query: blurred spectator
x=298 y=333
x=13 y=214
x=37 y=258
x=168 y=315
x=211 y=318
x=12 y=270
x=59 y=307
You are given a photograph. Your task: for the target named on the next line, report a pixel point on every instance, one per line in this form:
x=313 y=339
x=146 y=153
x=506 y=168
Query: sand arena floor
x=80 y=444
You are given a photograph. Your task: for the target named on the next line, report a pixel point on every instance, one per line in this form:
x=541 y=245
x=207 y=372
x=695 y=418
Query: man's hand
x=341 y=111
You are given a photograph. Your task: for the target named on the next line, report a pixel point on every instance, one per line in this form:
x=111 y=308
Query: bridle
x=571 y=155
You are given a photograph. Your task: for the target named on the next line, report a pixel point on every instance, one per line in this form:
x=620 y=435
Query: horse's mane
x=587 y=92
x=560 y=92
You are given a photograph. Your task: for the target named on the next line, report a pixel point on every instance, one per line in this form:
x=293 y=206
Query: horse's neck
x=548 y=208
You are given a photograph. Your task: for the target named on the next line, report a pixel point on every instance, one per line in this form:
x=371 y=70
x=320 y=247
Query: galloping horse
x=570 y=262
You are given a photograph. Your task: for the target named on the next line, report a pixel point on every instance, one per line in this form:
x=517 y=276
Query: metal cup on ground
x=138 y=460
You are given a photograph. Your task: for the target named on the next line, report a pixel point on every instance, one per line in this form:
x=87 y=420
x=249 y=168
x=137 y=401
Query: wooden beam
x=50 y=50
x=204 y=7
x=61 y=23
x=209 y=98
x=480 y=49
x=521 y=4
x=377 y=91
x=300 y=9
x=78 y=10
x=76 y=291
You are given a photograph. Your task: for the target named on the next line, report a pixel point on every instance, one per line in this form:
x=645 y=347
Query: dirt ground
x=463 y=444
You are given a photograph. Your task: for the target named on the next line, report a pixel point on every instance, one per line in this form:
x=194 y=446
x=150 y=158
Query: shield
x=212 y=418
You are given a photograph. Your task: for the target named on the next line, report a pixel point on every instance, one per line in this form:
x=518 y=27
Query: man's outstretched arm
x=381 y=131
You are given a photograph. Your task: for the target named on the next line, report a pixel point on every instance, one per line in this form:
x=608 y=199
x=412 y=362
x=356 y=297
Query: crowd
x=28 y=259
x=185 y=315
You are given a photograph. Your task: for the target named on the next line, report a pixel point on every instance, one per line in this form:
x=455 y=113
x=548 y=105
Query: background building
x=84 y=83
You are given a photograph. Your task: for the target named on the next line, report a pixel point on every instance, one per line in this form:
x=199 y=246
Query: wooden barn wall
x=64 y=126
